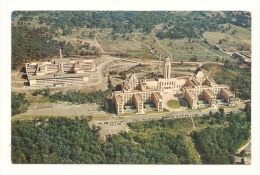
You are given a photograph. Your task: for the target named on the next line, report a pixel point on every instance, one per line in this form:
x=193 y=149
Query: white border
x=5 y=81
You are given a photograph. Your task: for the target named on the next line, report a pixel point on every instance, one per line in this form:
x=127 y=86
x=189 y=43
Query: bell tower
x=167 y=68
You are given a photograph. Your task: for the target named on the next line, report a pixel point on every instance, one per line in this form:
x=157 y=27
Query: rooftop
x=138 y=97
x=191 y=94
x=61 y=60
x=227 y=91
x=118 y=99
x=210 y=93
x=157 y=96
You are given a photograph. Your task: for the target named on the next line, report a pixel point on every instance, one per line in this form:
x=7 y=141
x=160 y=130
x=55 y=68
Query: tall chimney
x=60 y=54
x=159 y=68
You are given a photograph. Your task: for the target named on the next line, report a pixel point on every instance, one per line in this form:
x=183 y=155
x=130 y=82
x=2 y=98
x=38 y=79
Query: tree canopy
x=63 y=140
x=19 y=103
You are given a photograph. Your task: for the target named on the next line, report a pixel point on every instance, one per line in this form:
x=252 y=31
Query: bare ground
x=62 y=109
x=111 y=127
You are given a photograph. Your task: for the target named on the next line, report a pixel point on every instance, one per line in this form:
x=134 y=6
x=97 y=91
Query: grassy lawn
x=175 y=104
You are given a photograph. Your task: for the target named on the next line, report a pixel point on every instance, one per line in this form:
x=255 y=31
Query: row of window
x=63 y=80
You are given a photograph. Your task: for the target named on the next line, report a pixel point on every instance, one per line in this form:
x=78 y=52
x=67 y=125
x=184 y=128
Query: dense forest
x=19 y=103
x=33 y=31
x=38 y=43
x=31 y=44
x=63 y=140
x=218 y=145
x=125 y=21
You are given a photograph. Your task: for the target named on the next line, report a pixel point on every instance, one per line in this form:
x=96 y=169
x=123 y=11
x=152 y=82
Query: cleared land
x=238 y=42
x=142 y=45
x=61 y=110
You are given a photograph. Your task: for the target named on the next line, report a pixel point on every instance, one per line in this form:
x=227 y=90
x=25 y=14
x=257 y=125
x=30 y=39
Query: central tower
x=167 y=68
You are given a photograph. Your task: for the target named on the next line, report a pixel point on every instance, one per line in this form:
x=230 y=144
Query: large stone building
x=206 y=92
x=197 y=90
x=61 y=72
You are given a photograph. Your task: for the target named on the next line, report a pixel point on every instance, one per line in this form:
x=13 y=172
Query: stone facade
x=198 y=90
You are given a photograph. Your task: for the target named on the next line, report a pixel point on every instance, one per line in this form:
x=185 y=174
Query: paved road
x=246 y=147
x=199 y=63
x=158 y=116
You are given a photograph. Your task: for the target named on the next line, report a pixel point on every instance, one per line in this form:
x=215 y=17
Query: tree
x=19 y=103
x=242 y=153
x=123 y=75
x=234 y=32
x=210 y=113
x=222 y=112
x=47 y=92
x=194 y=58
x=247 y=108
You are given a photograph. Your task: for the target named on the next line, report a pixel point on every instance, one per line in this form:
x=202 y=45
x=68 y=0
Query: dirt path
x=97 y=44
x=161 y=45
x=208 y=50
x=141 y=43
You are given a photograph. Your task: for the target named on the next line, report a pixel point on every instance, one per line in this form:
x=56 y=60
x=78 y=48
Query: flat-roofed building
x=138 y=99
x=59 y=79
x=138 y=102
x=30 y=68
x=119 y=105
x=191 y=99
x=210 y=97
x=59 y=72
x=228 y=96
x=209 y=82
x=157 y=101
